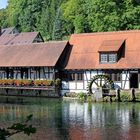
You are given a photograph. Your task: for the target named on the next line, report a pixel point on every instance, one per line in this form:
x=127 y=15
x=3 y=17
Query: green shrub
x=70 y=94
x=81 y=96
x=89 y=98
x=114 y=99
x=125 y=97
x=109 y=99
x=58 y=82
x=106 y=99
x=138 y=96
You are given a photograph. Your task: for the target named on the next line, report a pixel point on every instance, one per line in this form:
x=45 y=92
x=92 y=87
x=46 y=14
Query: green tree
x=130 y=15
x=104 y=15
x=57 y=19
x=3 y=16
x=18 y=128
x=75 y=17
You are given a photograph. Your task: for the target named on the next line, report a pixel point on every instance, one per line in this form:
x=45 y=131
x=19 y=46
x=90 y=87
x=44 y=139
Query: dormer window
x=108 y=57
x=109 y=51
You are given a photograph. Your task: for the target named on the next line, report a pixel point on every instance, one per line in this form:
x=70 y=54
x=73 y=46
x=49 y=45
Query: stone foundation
x=29 y=93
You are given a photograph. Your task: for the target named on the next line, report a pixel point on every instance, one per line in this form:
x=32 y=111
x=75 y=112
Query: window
x=108 y=57
x=104 y=58
x=76 y=76
x=80 y=76
x=117 y=77
x=72 y=77
x=112 y=58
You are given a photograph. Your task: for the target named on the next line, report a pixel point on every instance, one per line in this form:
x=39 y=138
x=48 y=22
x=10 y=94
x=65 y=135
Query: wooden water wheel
x=100 y=82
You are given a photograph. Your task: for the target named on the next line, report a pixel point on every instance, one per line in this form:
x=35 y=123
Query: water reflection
x=59 y=120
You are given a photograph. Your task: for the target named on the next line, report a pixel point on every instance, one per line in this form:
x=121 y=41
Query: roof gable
x=10 y=30
x=20 y=38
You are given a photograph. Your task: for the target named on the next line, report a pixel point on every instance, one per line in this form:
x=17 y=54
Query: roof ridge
x=34 y=44
x=111 y=32
x=29 y=32
x=55 y=41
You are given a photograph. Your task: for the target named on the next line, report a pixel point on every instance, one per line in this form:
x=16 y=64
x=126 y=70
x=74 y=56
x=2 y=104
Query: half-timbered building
x=116 y=54
x=31 y=61
x=75 y=62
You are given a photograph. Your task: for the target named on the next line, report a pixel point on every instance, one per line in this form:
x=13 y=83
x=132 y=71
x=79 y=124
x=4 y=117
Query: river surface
x=70 y=120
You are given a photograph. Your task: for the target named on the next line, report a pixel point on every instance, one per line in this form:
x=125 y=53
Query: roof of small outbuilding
x=86 y=47
x=17 y=39
x=31 y=55
x=6 y=31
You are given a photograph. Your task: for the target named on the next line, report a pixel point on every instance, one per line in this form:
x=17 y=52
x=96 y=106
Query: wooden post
x=118 y=95
x=133 y=95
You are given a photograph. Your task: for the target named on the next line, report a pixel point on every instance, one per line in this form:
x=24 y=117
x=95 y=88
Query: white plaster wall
x=125 y=80
x=93 y=73
x=72 y=85
x=87 y=75
x=80 y=85
x=65 y=85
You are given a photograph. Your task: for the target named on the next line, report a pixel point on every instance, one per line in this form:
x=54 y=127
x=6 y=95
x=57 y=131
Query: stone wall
x=29 y=93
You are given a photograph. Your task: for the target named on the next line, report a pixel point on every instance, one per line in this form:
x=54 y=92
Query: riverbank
x=115 y=96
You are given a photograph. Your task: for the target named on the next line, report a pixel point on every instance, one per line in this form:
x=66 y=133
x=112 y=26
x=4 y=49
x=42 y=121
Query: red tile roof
x=5 y=39
x=85 y=55
x=37 y=54
x=110 y=45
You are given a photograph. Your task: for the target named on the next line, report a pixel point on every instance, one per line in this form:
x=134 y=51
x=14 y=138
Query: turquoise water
x=68 y=120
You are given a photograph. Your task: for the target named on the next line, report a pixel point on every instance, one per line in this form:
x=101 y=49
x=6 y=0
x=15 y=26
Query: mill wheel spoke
x=96 y=83
x=101 y=82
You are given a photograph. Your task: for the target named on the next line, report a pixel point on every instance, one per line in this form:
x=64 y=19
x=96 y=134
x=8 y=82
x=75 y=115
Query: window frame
x=80 y=76
x=76 y=76
x=102 y=57
x=113 y=59
x=108 y=56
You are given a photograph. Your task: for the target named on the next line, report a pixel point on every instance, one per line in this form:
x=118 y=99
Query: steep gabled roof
x=35 y=55
x=6 y=31
x=24 y=38
x=86 y=47
x=20 y=38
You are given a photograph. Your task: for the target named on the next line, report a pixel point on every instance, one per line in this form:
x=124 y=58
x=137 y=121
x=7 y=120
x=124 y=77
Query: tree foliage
x=57 y=19
x=17 y=128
